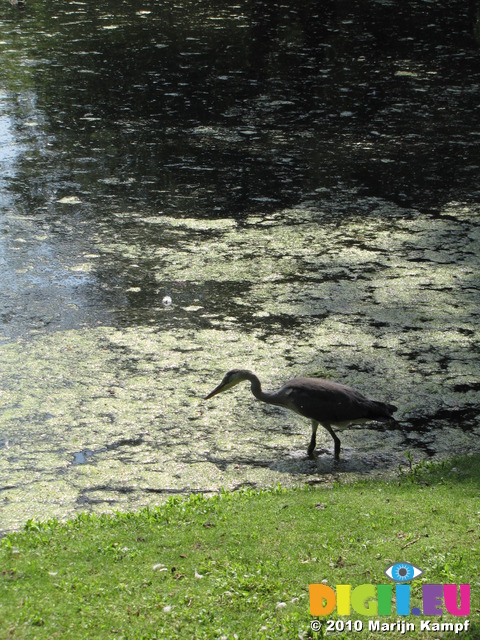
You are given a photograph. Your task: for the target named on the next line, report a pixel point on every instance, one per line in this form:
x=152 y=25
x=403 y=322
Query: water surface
x=301 y=183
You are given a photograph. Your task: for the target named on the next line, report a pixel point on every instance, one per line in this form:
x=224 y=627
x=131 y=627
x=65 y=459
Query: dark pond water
x=192 y=186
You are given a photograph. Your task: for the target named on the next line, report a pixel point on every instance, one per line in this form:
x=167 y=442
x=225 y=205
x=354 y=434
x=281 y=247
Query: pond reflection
x=191 y=186
x=223 y=109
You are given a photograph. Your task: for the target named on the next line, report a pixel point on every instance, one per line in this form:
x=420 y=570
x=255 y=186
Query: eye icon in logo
x=403 y=572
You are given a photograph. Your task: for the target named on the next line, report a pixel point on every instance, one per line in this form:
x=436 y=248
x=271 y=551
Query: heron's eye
x=403 y=572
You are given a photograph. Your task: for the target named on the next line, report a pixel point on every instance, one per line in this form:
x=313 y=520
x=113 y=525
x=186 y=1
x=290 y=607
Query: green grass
x=241 y=563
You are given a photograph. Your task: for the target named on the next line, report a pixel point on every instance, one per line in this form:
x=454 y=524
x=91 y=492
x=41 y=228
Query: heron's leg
x=336 y=440
x=313 y=441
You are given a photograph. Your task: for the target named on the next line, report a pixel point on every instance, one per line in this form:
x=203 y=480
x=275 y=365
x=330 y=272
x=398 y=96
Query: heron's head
x=230 y=379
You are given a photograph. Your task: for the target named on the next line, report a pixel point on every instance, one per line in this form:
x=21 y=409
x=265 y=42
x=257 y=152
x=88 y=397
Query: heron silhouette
x=327 y=403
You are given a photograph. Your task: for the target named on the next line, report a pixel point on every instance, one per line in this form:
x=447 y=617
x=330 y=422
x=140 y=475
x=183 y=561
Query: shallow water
x=304 y=191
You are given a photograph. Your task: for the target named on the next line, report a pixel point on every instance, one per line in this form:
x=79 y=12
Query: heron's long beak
x=221 y=387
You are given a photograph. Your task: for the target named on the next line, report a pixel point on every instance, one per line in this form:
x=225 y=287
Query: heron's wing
x=327 y=401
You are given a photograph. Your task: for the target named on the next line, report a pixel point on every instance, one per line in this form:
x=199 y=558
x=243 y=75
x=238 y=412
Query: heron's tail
x=383 y=410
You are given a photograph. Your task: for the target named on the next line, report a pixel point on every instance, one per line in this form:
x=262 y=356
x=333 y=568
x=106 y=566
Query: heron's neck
x=257 y=388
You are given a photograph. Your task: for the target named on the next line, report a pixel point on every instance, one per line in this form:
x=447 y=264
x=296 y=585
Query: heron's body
x=324 y=402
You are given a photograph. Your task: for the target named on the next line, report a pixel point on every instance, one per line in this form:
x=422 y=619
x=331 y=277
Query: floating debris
x=69 y=200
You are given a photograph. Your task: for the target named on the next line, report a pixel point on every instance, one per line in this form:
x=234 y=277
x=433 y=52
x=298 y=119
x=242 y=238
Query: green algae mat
x=102 y=408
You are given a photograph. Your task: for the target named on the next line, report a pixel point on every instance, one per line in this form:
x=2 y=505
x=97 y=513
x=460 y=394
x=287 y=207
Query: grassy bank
x=239 y=565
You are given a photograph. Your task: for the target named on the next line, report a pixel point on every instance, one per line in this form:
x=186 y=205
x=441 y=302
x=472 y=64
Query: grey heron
x=330 y=404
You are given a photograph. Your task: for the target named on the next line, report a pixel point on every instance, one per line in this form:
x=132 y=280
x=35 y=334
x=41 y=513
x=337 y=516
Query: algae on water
x=102 y=406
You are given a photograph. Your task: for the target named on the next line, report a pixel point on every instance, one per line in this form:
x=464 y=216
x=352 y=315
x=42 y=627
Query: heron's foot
x=336 y=453
x=317 y=453
x=311 y=448
x=311 y=451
